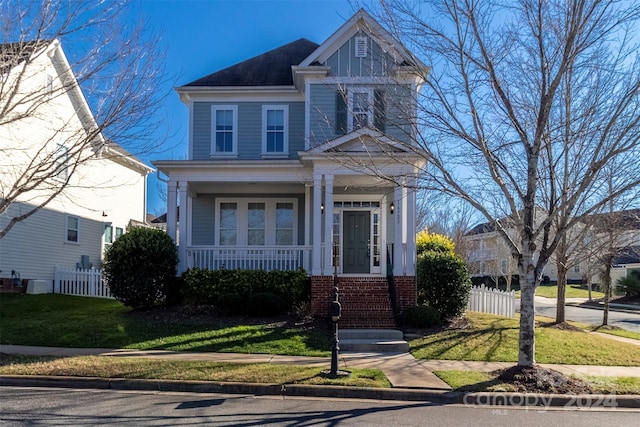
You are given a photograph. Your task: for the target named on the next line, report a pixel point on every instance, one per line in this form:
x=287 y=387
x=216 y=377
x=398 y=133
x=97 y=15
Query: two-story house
x=302 y=157
x=50 y=148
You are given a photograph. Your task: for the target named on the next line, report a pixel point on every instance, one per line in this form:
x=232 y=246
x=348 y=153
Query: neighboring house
x=283 y=152
x=490 y=261
x=104 y=195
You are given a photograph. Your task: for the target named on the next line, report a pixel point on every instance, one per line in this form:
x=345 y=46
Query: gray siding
x=249 y=129
x=203 y=221
x=344 y=63
x=323 y=112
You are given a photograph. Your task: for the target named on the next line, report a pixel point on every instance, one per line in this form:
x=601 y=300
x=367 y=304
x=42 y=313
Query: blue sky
x=203 y=36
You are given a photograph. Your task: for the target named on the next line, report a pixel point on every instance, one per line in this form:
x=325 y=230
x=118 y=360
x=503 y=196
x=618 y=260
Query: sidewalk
x=411 y=379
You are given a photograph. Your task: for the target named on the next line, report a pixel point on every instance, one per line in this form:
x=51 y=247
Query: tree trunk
x=562 y=289
x=526 y=346
x=607 y=292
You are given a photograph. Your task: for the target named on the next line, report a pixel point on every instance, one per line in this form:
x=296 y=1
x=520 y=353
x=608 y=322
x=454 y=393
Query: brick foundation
x=365 y=300
x=7 y=287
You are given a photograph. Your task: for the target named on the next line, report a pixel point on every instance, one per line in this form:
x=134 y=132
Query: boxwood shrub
x=205 y=287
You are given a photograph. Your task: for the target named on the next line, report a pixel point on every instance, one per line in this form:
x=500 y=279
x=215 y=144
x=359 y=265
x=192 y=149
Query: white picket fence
x=492 y=300
x=86 y=283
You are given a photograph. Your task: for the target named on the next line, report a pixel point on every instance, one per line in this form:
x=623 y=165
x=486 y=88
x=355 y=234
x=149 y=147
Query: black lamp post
x=334 y=312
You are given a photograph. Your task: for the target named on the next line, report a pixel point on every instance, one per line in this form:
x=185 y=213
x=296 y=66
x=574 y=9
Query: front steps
x=372 y=341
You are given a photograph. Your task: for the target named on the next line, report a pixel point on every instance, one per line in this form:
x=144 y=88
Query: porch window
x=72 y=229
x=228 y=224
x=376 y=240
x=336 y=238
x=284 y=224
x=224 y=133
x=275 y=129
x=256 y=224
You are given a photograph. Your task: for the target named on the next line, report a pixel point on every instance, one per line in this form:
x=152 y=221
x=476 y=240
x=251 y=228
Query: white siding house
x=104 y=194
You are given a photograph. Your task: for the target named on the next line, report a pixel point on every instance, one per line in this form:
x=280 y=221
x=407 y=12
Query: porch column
x=307 y=223
x=328 y=224
x=398 y=259
x=316 y=269
x=411 y=227
x=172 y=206
x=183 y=236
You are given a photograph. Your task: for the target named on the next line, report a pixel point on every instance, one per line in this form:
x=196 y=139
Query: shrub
x=443 y=283
x=264 y=304
x=433 y=242
x=630 y=285
x=204 y=287
x=421 y=316
x=231 y=304
x=140 y=268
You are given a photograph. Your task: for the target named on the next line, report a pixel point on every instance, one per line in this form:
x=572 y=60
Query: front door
x=357 y=242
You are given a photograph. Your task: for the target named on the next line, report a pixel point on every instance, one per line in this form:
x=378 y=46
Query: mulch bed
x=536 y=379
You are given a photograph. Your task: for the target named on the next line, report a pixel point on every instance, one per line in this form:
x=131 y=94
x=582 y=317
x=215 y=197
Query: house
x=93 y=200
x=302 y=157
x=490 y=261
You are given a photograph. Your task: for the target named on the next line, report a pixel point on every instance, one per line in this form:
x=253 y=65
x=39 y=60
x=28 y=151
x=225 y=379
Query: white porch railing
x=491 y=300
x=285 y=258
x=86 y=283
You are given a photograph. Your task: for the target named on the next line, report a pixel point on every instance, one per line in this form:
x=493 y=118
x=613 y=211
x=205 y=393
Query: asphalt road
x=58 y=407
x=629 y=321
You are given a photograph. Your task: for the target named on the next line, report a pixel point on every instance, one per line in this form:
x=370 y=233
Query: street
x=51 y=406
x=629 y=321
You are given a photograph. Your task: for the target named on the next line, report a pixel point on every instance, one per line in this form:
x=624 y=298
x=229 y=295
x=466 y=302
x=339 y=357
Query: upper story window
x=361 y=108
x=224 y=132
x=72 y=230
x=275 y=129
x=60 y=162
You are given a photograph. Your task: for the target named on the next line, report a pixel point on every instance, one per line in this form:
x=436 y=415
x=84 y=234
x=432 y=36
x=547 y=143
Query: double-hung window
x=360 y=108
x=224 y=130
x=275 y=129
x=72 y=229
x=60 y=162
x=252 y=222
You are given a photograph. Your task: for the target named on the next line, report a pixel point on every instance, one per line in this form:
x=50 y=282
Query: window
x=275 y=129
x=360 y=103
x=228 y=224
x=108 y=234
x=119 y=232
x=72 y=229
x=60 y=162
x=224 y=132
x=284 y=224
x=576 y=269
x=263 y=222
x=256 y=224
x=361 y=47
x=49 y=86
x=503 y=266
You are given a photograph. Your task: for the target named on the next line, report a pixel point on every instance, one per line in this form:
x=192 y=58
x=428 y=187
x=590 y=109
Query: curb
x=601 y=308
x=529 y=400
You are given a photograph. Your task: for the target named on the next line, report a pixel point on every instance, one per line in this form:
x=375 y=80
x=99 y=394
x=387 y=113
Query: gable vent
x=361 y=47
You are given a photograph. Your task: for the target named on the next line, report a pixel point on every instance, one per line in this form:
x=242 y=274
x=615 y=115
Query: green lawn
x=67 y=321
x=123 y=367
x=571 y=291
x=495 y=339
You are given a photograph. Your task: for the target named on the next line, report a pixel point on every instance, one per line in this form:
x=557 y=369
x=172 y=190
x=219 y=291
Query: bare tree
x=523 y=108
x=113 y=65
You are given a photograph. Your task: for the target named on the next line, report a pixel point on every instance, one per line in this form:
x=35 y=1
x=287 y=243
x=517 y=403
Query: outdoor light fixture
x=392 y=208
x=322 y=208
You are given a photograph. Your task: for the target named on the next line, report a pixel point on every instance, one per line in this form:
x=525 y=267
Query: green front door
x=357 y=242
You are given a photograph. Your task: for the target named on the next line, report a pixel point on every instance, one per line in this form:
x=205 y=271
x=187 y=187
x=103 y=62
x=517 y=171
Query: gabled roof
x=365 y=140
x=362 y=21
x=627 y=255
x=272 y=68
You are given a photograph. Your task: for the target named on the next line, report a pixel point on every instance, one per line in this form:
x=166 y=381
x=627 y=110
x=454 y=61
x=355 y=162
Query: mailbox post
x=335 y=312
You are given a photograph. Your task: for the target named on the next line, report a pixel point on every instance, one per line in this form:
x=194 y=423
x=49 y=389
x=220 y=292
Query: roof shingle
x=271 y=68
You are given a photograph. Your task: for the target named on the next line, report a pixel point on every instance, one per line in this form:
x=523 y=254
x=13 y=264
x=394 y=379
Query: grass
x=495 y=339
x=613 y=330
x=472 y=381
x=136 y=368
x=571 y=291
x=67 y=321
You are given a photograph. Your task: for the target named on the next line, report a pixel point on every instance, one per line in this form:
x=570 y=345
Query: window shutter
x=341 y=113
x=361 y=47
x=379 y=113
